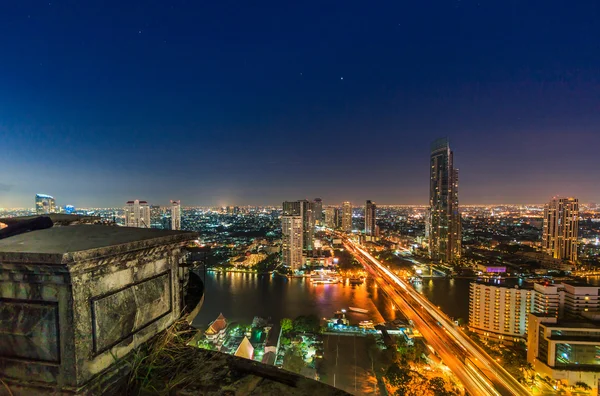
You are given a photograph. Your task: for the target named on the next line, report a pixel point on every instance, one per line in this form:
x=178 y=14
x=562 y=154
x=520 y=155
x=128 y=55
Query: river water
x=241 y=296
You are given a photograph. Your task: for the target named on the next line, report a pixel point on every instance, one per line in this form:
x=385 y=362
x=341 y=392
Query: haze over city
x=222 y=104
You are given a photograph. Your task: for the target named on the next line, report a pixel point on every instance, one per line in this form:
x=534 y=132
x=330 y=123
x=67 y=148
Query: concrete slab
x=78 y=238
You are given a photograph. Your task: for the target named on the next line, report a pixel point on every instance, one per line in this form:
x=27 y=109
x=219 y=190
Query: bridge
x=479 y=373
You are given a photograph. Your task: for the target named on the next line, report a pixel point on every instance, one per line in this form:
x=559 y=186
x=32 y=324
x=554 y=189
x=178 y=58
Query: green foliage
x=293 y=360
x=268 y=264
x=284 y=341
x=389 y=257
x=307 y=324
x=286 y=325
x=346 y=260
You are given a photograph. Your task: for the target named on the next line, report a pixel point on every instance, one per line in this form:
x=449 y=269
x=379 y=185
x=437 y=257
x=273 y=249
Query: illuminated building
x=304 y=209
x=44 y=204
x=567 y=351
x=69 y=209
x=347 y=217
x=330 y=217
x=568 y=299
x=176 y=215
x=444 y=219
x=318 y=211
x=561 y=224
x=499 y=312
x=370 y=219
x=337 y=217
x=137 y=214
x=156 y=217
x=292 y=240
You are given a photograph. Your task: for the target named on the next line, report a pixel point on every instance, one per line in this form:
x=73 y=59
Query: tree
x=293 y=360
x=438 y=386
x=307 y=324
x=397 y=376
x=286 y=325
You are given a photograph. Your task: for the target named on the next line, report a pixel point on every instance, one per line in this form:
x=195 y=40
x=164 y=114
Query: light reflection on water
x=241 y=296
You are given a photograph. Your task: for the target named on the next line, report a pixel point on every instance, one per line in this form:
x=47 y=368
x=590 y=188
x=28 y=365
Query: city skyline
x=358 y=204
x=206 y=111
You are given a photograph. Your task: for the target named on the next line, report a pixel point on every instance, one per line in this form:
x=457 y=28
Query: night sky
x=223 y=102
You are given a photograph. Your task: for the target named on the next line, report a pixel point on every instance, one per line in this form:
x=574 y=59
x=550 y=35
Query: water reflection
x=241 y=296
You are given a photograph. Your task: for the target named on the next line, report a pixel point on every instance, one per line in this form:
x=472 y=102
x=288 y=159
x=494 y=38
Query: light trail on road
x=483 y=376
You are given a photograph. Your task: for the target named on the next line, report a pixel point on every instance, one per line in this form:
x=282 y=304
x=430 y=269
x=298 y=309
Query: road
x=347 y=365
x=479 y=373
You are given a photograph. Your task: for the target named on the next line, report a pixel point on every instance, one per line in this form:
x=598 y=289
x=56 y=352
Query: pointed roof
x=245 y=350
x=217 y=325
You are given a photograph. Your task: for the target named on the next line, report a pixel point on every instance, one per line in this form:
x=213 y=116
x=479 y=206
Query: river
x=241 y=296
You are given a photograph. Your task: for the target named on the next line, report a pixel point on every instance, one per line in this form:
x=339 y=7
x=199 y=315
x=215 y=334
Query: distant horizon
x=354 y=205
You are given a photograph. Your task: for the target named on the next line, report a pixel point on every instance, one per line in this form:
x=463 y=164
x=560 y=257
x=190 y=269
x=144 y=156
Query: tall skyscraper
x=370 y=219
x=305 y=209
x=561 y=228
x=444 y=218
x=44 y=204
x=137 y=214
x=337 y=218
x=330 y=217
x=292 y=236
x=176 y=215
x=318 y=211
x=347 y=217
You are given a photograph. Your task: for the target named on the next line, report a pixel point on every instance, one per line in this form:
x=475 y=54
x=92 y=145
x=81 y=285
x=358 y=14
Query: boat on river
x=359 y=310
x=366 y=324
x=325 y=280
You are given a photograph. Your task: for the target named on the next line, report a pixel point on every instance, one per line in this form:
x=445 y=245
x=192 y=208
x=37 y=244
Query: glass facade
x=577 y=354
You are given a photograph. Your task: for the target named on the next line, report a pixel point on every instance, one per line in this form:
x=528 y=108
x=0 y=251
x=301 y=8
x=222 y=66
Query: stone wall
x=67 y=318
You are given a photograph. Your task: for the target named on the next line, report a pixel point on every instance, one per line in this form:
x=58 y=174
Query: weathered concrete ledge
x=75 y=300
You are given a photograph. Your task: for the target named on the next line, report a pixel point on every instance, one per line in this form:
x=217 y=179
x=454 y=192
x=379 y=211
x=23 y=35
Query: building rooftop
x=217 y=325
x=57 y=218
x=53 y=243
x=578 y=283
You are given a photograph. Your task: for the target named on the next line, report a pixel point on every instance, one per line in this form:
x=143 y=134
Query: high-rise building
x=499 y=312
x=292 y=239
x=137 y=214
x=156 y=216
x=337 y=218
x=176 y=215
x=44 y=204
x=330 y=217
x=370 y=219
x=347 y=217
x=304 y=209
x=444 y=217
x=318 y=211
x=561 y=227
